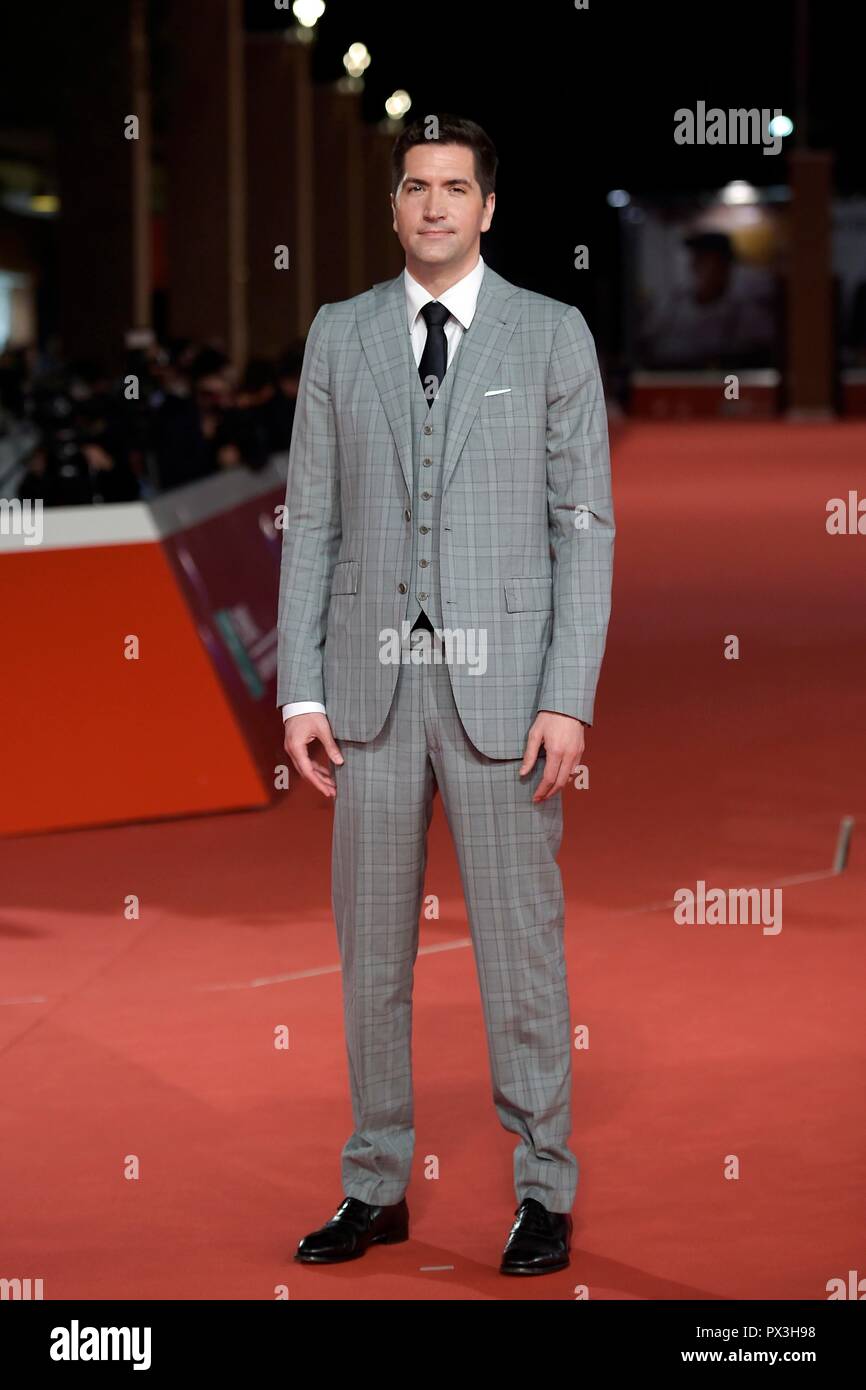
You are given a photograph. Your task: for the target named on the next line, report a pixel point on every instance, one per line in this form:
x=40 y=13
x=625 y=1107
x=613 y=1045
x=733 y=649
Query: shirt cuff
x=302 y=707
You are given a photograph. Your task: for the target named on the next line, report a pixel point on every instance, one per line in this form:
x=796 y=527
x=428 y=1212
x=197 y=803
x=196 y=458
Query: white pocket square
x=500 y=392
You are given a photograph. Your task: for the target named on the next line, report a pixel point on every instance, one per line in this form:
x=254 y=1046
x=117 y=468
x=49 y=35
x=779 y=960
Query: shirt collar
x=460 y=299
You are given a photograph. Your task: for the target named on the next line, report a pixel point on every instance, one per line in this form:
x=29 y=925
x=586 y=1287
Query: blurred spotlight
x=738 y=192
x=24 y=204
x=356 y=60
x=308 y=12
x=781 y=125
x=46 y=203
x=618 y=198
x=398 y=104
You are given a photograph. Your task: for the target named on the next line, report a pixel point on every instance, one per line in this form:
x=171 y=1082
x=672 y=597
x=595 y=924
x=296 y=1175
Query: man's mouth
x=439 y=233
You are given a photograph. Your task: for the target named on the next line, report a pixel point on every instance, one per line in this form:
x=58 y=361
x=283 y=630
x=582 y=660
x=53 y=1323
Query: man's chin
x=429 y=246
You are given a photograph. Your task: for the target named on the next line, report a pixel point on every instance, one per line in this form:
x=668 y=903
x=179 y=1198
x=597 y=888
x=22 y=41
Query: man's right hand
x=300 y=731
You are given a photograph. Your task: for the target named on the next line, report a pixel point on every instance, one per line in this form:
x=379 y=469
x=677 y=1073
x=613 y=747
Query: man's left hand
x=563 y=740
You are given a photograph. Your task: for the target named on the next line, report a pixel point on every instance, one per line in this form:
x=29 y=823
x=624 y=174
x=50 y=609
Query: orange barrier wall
x=89 y=736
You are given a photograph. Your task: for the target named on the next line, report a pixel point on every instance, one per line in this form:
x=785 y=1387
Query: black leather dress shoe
x=538 y=1242
x=355 y=1226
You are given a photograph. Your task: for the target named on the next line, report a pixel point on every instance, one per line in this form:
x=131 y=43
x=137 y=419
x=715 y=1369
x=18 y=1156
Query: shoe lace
x=352 y=1211
x=531 y=1216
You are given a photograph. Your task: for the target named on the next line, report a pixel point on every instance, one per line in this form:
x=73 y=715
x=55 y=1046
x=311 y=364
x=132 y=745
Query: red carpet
x=155 y=1038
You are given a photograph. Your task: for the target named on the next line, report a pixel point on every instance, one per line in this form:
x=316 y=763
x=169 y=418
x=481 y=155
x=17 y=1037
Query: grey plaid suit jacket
x=526 y=529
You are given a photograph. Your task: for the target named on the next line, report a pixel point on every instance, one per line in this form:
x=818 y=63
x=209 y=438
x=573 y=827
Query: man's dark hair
x=452 y=130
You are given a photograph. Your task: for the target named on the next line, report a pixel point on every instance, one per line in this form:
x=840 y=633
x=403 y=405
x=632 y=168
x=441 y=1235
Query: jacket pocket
x=345 y=578
x=529 y=594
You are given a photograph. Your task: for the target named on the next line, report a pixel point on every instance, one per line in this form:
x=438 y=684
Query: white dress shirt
x=460 y=300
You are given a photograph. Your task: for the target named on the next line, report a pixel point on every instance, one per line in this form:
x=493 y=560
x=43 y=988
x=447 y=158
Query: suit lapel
x=477 y=361
x=388 y=350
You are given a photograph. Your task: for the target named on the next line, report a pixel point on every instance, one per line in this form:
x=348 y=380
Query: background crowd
x=70 y=434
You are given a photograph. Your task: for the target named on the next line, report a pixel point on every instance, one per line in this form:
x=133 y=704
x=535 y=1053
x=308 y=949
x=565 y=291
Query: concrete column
x=104 y=177
x=810 y=300
x=385 y=257
x=280 y=158
x=205 y=156
x=340 y=181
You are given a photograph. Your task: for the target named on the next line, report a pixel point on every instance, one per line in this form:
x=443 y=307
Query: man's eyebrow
x=411 y=179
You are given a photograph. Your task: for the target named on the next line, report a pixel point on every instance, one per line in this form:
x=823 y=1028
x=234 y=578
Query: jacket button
x=401 y=588
x=408 y=514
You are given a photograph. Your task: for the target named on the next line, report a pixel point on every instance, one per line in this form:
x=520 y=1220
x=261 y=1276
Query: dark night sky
x=581 y=102
x=576 y=102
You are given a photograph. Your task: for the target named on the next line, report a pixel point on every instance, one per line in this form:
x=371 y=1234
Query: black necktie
x=434 y=358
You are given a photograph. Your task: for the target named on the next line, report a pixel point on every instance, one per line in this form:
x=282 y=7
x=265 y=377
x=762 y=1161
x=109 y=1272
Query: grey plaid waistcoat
x=428 y=451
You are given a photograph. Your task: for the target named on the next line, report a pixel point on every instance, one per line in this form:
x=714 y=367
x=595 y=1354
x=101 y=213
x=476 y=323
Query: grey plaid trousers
x=506 y=848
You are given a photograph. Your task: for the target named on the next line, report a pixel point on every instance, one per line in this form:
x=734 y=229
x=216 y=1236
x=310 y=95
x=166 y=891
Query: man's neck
x=437 y=279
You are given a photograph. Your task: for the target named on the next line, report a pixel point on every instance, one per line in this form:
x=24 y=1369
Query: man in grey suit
x=444 y=602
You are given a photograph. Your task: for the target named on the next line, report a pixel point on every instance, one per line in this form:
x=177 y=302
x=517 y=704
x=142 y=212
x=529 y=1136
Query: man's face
x=439 y=213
